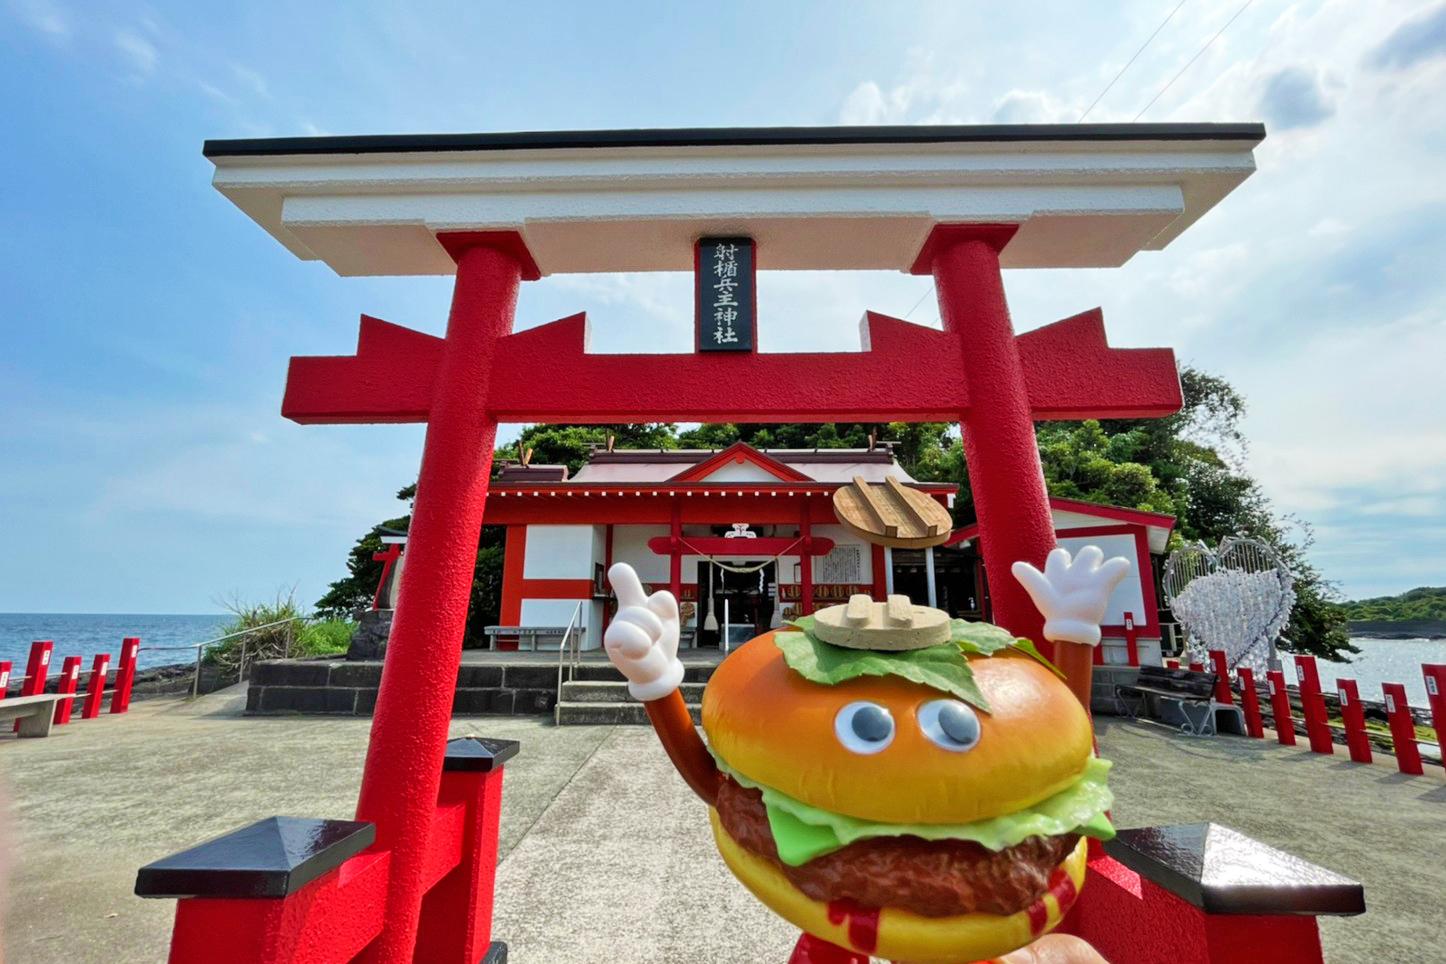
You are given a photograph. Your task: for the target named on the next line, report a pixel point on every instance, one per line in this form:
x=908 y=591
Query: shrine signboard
x=725 y=294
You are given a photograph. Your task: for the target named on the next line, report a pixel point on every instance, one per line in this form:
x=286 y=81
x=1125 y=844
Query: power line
x=1192 y=60
x=1130 y=61
x=918 y=303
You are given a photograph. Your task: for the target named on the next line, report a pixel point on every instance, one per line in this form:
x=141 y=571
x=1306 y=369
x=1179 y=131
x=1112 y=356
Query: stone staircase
x=600 y=696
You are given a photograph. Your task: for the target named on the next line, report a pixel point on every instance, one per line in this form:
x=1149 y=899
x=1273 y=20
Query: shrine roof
x=837 y=466
x=1084 y=195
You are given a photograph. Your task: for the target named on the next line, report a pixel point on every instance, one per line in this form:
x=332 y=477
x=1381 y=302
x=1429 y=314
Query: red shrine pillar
x=999 y=445
x=805 y=562
x=414 y=707
x=675 y=553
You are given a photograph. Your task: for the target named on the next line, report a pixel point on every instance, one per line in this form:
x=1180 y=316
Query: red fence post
x=283 y=889
x=1132 y=640
x=96 y=691
x=1354 y=717
x=5 y=668
x=36 y=670
x=1312 y=702
x=1250 y=701
x=69 y=675
x=1222 y=677
x=125 y=675
x=1280 y=707
x=1172 y=664
x=1403 y=729
x=456 y=921
x=1435 y=674
x=1196 y=666
x=1206 y=894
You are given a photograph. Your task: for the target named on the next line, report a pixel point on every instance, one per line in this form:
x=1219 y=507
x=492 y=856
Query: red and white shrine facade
x=759 y=524
x=749 y=537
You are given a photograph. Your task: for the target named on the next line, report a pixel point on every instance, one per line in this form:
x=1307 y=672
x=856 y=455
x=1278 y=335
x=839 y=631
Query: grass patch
x=276 y=630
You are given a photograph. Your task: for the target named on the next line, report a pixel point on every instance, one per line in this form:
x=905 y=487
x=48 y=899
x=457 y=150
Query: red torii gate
x=975 y=371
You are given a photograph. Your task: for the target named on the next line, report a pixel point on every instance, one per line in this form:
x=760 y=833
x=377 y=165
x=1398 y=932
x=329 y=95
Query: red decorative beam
x=547 y=375
x=1072 y=373
x=758 y=546
x=389 y=379
x=906 y=373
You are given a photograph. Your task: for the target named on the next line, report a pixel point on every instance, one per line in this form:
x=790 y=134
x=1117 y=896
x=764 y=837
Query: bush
x=323 y=637
x=281 y=630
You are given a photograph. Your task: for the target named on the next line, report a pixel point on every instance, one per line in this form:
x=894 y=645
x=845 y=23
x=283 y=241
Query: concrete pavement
x=605 y=853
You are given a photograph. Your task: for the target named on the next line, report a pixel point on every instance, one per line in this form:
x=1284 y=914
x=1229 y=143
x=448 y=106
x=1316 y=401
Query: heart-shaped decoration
x=1236 y=598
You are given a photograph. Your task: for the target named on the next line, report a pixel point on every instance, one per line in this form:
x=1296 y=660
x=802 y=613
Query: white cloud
x=44 y=16
x=1032 y=107
x=138 y=52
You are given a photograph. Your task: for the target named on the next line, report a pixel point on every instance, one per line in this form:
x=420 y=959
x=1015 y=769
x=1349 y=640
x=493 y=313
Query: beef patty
x=933 y=878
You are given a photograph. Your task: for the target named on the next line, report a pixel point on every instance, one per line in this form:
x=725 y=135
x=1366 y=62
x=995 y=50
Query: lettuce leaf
x=980 y=639
x=942 y=667
x=830 y=665
x=803 y=832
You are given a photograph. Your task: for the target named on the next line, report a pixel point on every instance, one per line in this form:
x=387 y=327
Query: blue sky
x=144 y=466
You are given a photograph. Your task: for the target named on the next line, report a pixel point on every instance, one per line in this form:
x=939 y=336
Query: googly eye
x=864 y=727
x=950 y=724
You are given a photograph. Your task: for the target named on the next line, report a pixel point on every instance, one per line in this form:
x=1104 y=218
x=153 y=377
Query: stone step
x=584 y=714
x=616 y=691
x=606 y=672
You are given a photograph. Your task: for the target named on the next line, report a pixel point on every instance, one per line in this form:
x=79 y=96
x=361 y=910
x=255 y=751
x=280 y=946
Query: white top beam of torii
x=1085 y=195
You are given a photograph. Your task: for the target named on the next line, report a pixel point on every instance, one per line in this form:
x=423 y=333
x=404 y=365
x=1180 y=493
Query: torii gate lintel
x=1070 y=371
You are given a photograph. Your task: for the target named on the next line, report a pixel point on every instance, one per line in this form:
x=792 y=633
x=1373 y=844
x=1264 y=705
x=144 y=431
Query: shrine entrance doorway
x=742 y=602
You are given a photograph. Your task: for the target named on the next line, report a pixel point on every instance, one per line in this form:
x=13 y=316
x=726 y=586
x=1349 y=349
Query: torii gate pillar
x=414 y=706
x=999 y=445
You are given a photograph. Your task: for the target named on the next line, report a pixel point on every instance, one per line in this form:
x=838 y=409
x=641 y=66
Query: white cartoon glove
x=1072 y=596
x=642 y=639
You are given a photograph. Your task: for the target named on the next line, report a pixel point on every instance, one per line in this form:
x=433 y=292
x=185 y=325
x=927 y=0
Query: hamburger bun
x=899 y=935
x=776 y=728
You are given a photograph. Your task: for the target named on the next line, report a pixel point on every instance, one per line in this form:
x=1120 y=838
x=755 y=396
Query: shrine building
x=743 y=536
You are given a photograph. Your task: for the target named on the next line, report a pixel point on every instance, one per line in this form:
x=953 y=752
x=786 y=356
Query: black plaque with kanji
x=725 y=294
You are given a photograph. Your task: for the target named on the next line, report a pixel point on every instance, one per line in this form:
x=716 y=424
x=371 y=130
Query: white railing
x=200 y=649
x=570 y=642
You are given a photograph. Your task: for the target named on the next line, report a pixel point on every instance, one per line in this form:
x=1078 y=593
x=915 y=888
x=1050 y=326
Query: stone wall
x=350 y=688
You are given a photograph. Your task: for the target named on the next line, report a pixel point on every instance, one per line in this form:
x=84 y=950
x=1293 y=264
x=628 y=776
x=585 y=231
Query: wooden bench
x=34 y=713
x=1193 y=693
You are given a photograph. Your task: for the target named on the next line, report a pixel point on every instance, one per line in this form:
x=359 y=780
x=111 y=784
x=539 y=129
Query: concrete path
x=605 y=854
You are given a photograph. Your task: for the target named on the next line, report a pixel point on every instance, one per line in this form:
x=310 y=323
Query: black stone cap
x=271 y=858
x=477 y=754
x=1222 y=871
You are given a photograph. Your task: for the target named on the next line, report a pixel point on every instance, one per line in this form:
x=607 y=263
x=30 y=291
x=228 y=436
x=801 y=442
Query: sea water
x=85 y=634
x=1384 y=661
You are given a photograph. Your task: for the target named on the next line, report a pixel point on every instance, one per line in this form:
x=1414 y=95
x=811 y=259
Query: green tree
x=570 y=445
x=358 y=588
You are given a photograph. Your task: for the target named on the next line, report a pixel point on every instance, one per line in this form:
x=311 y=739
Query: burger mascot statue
x=895 y=783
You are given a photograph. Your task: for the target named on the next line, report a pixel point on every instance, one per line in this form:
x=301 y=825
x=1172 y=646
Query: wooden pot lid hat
x=892 y=514
x=895 y=626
